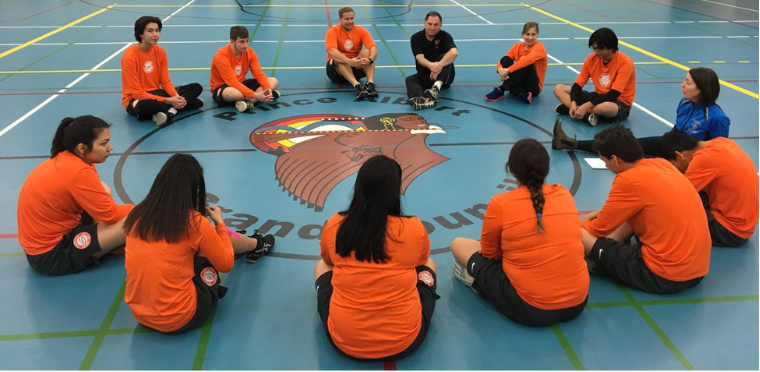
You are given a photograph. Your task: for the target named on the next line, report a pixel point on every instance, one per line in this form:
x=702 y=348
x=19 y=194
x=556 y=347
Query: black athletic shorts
x=623 y=262
x=719 y=234
x=216 y=94
x=206 y=281
x=73 y=253
x=335 y=76
x=427 y=283
x=623 y=109
x=492 y=283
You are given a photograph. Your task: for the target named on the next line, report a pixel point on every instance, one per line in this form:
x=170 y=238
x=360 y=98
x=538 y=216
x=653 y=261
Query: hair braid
x=535 y=184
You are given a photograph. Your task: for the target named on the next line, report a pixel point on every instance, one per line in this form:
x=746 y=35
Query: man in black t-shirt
x=434 y=54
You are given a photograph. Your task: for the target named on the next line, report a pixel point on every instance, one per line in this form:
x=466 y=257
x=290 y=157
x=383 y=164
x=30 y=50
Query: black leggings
x=522 y=80
x=417 y=83
x=145 y=108
x=651 y=145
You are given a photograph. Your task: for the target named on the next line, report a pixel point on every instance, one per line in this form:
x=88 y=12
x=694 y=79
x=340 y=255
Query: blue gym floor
x=61 y=58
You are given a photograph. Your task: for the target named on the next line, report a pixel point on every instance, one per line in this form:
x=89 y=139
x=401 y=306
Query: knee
x=560 y=89
x=506 y=62
x=431 y=264
x=273 y=82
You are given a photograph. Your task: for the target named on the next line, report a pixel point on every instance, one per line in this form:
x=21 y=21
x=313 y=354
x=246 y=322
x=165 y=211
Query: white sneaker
x=462 y=275
x=243 y=106
x=592 y=120
x=160 y=118
x=422 y=102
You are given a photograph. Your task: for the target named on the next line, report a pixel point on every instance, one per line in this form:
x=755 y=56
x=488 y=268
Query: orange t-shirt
x=160 y=290
x=665 y=212
x=349 y=43
x=547 y=270
x=535 y=55
x=231 y=70
x=53 y=197
x=142 y=72
x=375 y=309
x=728 y=176
x=618 y=74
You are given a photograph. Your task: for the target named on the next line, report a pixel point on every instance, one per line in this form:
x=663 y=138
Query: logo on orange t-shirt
x=209 y=276
x=426 y=277
x=148 y=67
x=238 y=69
x=604 y=79
x=348 y=44
x=82 y=240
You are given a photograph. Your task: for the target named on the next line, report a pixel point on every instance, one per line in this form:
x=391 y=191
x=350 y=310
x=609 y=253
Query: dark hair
x=676 y=141
x=528 y=26
x=708 y=84
x=142 y=22
x=433 y=13
x=238 y=32
x=529 y=163
x=619 y=141
x=73 y=131
x=164 y=214
x=604 y=38
x=345 y=9
x=377 y=195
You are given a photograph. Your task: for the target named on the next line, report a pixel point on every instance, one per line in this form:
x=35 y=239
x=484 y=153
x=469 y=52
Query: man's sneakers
x=160 y=118
x=264 y=244
x=421 y=102
x=370 y=89
x=591 y=119
x=562 y=109
x=361 y=93
x=526 y=97
x=495 y=95
x=244 y=105
x=561 y=141
x=431 y=93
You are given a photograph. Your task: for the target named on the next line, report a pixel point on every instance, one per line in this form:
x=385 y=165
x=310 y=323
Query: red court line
x=327 y=11
x=45 y=11
x=8 y=236
x=389 y=365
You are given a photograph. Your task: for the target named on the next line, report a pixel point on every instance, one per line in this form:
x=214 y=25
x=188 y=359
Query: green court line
x=674 y=301
x=387 y=47
x=397 y=23
x=40 y=336
x=258 y=23
x=282 y=37
x=12 y=254
x=567 y=347
x=200 y=353
x=657 y=330
x=103 y=331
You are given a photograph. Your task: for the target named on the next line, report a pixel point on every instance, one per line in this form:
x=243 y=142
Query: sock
x=172 y=111
x=370 y=81
x=437 y=85
x=358 y=84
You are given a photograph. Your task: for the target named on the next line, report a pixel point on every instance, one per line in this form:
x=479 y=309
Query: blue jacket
x=702 y=123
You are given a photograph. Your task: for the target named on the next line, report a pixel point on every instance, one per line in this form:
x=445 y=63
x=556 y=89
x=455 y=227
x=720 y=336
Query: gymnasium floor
x=61 y=58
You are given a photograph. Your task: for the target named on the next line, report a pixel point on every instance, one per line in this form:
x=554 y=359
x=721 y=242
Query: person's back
x=547 y=269
x=375 y=309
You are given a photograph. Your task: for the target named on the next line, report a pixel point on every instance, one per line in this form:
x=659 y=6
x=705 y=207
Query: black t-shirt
x=432 y=50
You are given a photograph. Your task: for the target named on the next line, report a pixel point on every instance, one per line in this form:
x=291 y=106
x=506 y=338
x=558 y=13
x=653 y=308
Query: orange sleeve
x=622 y=203
x=90 y=195
x=700 y=172
x=585 y=74
x=623 y=76
x=222 y=63
x=490 y=235
x=425 y=251
x=326 y=244
x=215 y=244
x=535 y=54
x=130 y=71
x=331 y=39
x=367 y=39
x=256 y=71
x=166 y=82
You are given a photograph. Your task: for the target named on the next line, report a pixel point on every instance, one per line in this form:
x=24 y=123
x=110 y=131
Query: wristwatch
x=371 y=61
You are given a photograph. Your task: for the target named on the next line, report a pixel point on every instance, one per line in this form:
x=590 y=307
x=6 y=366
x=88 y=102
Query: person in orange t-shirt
x=725 y=178
x=375 y=282
x=614 y=78
x=229 y=68
x=529 y=260
x=523 y=68
x=173 y=253
x=652 y=200
x=67 y=219
x=147 y=91
x=347 y=61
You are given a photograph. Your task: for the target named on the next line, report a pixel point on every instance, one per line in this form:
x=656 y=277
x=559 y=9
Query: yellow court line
x=277 y=68
x=310 y=6
x=655 y=56
x=51 y=33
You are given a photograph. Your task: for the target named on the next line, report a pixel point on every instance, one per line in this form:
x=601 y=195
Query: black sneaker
x=264 y=244
x=370 y=89
x=275 y=94
x=562 y=109
x=361 y=93
x=431 y=93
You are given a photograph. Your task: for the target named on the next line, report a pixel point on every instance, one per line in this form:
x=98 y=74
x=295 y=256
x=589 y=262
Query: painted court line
x=648 y=53
x=471 y=12
x=729 y=5
x=51 y=33
x=101 y=333
x=563 y=341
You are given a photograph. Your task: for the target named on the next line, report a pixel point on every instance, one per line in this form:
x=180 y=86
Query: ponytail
x=73 y=131
x=529 y=163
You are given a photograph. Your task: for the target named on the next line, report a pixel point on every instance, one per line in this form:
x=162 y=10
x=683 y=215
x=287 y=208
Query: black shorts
x=623 y=262
x=492 y=283
x=216 y=94
x=336 y=77
x=206 y=281
x=73 y=253
x=720 y=236
x=427 y=294
x=623 y=109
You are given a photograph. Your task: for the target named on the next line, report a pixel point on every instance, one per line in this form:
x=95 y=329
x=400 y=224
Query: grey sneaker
x=244 y=105
x=591 y=119
x=160 y=118
x=561 y=141
x=361 y=93
x=460 y=272
x=264 y=244
x=431 y=93
x=370 y=89
x=419 y=103
x=562 y=109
